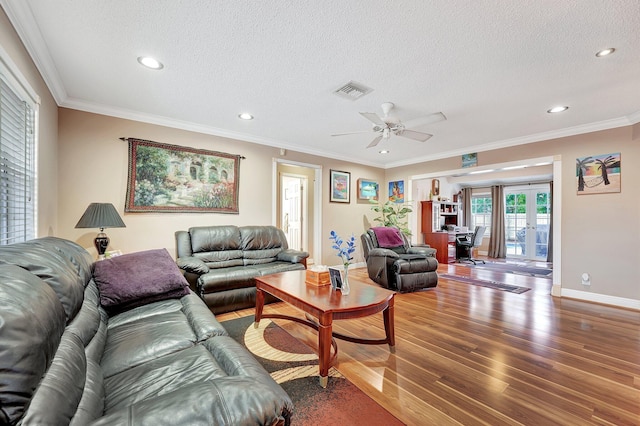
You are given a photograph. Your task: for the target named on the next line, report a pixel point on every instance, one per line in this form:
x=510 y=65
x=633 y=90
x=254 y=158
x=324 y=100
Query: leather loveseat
x=64 y=360
x=222 y=262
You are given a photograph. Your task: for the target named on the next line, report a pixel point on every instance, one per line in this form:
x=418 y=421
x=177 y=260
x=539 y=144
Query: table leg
x=324 y=347
x=259 y=306
x=389 y=327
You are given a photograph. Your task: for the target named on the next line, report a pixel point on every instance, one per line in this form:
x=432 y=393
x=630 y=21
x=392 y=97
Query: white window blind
x=17 y=166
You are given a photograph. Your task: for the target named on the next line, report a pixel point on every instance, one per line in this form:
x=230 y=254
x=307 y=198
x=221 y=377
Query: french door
x=527 y=219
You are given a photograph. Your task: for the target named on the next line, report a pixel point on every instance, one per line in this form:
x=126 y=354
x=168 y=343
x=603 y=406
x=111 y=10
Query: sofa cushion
x=262 y=238
x=139 y=341
x=138 y=278
x=160 y=376
x=214 y=238
x=228 y=278
x=32 y=322
x=58 y=271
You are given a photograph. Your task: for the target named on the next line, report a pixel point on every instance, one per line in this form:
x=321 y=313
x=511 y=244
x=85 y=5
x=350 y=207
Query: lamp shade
x=100 y=215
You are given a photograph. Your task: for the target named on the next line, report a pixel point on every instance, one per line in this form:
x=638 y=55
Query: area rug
x=483 y=283
x=295 y=367
x=513 y=268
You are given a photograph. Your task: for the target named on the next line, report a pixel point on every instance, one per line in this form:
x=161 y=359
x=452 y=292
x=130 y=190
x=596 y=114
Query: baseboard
x=621 y=302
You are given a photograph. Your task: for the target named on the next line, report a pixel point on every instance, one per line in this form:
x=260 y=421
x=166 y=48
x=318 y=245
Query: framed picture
x=598 y=174
x=469 y=160
x=168 y=178
x=340 y=184
x=368 y=189
x=396 y=191
x=335 y=275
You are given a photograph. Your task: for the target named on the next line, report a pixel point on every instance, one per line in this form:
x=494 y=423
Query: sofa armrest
x=383 y=252
x=293 y=256
x=192 y=264
x=424 y=250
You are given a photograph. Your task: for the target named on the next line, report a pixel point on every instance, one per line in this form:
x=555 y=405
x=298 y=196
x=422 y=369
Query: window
x=481 y=212
x=17 y=161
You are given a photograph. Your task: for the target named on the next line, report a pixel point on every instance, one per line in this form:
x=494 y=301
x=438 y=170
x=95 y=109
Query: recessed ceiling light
x=150 y=62
x=384 y=151
x=605 y=52
x=557 y=109
x=245 y=116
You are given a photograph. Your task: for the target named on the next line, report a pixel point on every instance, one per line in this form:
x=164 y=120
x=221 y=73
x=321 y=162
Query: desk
x=444 y=243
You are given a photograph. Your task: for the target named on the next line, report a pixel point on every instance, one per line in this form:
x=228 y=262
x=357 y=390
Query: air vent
x=353 y=91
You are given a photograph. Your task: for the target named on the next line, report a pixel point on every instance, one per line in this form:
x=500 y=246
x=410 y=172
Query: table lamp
x=101 y=215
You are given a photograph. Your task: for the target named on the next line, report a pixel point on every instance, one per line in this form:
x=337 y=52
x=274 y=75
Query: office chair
x=464 y=245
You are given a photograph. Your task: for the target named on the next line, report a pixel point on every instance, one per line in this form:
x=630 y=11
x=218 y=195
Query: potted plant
x=393 y=214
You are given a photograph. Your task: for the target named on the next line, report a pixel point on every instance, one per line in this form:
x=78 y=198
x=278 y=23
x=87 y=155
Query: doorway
x=293 y=210
x=527 y=220
x=297 y=205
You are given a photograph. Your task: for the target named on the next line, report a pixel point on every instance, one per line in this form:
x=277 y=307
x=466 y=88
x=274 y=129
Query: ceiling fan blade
x=374 y=118
x=351 y=133
x=375 y=142
x=427 y=119
x=416 y=136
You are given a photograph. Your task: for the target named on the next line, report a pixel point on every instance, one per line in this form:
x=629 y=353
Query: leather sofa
x=403 y=267
x=65 y=361
x=222 y=262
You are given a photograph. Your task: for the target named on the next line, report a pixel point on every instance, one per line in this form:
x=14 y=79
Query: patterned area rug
x=483 y=283
x=295 y=367
x=513 y=268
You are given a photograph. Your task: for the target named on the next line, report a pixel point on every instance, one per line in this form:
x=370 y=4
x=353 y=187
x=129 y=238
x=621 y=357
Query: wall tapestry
x=396 y=191
x=598 y=174
x=169 y=178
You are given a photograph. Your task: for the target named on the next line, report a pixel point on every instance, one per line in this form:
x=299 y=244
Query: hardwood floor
x=471 y=355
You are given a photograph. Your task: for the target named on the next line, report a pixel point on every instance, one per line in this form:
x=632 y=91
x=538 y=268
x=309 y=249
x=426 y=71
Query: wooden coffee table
x=323 y=305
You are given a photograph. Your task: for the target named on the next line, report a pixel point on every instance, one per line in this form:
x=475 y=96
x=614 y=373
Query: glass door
x=527 y=218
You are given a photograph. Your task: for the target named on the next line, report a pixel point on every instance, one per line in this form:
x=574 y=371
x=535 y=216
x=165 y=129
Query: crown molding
x=25 y=25
x=199 y=128
x=537 y=137
x=634 y=118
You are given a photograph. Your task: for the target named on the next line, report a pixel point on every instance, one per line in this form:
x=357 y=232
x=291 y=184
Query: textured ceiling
x=492 y=67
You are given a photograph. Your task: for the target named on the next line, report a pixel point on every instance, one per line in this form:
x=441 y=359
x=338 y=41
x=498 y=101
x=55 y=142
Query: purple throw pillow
x=139 y=278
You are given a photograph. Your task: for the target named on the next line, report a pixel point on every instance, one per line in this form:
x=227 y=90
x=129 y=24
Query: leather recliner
x=404 y=268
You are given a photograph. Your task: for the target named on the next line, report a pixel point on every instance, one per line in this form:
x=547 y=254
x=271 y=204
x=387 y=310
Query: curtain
x=550 y=237
x=466 y=207
x=497 y=245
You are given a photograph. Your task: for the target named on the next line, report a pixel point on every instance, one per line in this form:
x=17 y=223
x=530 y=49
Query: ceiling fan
x=386 y=125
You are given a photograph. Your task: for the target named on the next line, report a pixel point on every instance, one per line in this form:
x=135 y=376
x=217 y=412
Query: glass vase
x=345 y=289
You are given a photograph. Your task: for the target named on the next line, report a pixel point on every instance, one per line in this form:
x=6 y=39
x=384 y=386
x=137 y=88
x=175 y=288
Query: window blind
x=17 y=166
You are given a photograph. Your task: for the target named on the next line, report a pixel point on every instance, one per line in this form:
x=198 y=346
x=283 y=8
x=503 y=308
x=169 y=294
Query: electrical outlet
x=586 y=279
